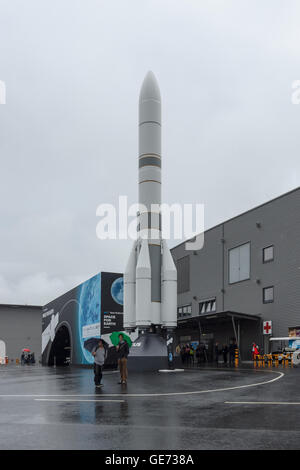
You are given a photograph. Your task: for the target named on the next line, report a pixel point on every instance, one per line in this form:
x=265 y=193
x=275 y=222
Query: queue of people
x=226 y=352
x=185 y=354
x=190 y=355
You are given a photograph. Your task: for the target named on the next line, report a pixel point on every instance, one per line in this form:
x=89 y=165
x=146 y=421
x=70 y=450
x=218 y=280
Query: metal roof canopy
x=228 y=314
x=210 y=317
x=225 y=315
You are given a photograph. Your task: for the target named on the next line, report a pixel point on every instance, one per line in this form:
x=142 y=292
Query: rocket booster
x=150 y=279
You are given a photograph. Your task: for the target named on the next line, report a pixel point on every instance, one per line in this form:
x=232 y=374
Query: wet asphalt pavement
x=47 y=408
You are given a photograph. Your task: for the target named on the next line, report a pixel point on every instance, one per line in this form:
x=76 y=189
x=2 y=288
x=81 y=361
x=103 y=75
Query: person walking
x=198 y=354
x=192 y=356
x=255 y=351
x=182 y=354
x=203 y=354
x=187 y=355
x=217 y=352
x=122 y=351
x=225 y=352
x=99 y=353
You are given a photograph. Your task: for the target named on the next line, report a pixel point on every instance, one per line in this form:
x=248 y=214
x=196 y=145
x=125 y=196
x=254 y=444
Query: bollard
x=286 y=360
x=236 y=359
x=259 y=360
x=269 y=358
x=283 y=361
x=255 y=360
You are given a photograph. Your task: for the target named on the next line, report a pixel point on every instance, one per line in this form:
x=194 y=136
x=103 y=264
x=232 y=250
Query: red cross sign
x=267 y=328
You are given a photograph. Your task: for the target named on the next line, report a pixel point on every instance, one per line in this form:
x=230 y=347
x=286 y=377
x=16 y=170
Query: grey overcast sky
x=68 y=130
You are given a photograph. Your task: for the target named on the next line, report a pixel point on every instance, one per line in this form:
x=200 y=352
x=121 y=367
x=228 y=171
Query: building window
x=185 y=311
x=207 y=306
x=268 y=295
x=239 y=263
x=268 y=254
x=183 y=273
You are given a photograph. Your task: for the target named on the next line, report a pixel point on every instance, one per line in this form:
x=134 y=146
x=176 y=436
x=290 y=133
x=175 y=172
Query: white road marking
x=77 y=400
x=170 y=394
x=263 y=402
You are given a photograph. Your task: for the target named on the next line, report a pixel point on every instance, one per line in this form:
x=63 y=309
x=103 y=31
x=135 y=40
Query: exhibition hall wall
x=90 y=310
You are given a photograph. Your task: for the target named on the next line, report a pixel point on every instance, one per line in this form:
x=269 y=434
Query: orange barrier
x=261 y=360
x=269 y=360
x=236 y=358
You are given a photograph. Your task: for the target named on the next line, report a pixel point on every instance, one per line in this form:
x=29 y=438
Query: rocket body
x=150 y=279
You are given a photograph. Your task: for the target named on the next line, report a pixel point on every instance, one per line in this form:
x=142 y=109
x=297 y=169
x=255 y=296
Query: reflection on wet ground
x=47 y=408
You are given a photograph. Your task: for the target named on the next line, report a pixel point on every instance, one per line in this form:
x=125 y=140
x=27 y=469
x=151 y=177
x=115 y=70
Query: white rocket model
x=150 y=279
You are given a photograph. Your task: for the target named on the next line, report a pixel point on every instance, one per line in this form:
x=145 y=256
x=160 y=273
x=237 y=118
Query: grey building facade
x=247 y=272
x=20 y=327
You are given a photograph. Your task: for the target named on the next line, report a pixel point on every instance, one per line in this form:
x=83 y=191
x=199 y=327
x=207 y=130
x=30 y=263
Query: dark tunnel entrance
x=60 y=353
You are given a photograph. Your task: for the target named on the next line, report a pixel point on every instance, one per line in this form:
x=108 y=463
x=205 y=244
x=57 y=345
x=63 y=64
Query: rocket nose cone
x=150 y=88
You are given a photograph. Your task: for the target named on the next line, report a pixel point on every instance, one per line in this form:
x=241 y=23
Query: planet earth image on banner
x=89 y=299
x=117 y=290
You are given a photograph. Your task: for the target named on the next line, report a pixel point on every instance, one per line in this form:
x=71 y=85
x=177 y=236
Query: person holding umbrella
x=122 y=342
x=99 y=353
x=122 y=351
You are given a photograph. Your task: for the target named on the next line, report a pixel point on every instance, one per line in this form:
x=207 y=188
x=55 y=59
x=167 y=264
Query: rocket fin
x=129 y=289
x=143 y=287
x=169 y=288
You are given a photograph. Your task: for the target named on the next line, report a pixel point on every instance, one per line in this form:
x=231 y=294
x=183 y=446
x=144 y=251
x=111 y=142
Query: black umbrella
x=91 y=343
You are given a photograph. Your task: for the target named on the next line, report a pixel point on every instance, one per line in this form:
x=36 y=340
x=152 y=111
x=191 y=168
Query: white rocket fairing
x=150 y=279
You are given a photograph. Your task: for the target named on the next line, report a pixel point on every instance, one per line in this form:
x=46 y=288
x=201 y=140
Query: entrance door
x=60 y=352
x=208 y=341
